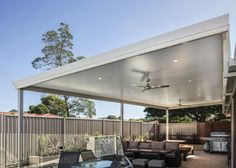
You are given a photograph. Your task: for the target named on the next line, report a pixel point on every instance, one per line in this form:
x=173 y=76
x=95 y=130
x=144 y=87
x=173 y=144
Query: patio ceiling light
x=189 y=80
x=99 y=78
x=175 y=61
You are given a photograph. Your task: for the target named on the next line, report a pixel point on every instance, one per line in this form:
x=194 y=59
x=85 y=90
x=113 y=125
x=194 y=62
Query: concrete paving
x=201 y=159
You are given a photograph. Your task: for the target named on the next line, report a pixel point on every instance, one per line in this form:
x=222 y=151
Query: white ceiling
x=199 y=61
x=202 y=54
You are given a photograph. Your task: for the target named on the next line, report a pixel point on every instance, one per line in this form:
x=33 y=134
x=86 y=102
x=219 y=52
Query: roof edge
x=203 y=29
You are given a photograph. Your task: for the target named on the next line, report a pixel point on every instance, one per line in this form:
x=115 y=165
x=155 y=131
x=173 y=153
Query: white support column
x=122 y=120
x=167 y=124
x=20 y=126
x=232 y=133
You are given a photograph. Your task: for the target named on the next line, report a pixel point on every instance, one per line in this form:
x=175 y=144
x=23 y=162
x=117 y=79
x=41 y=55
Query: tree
x=39 y=109
x=198 y=114
x=49 y=104
x=57 y=51
x=112 y=117
x=13 y=110
x=82 y=106
x=55 y=104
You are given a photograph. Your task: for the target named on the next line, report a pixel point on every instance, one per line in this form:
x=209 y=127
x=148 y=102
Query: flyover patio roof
x=192 y=60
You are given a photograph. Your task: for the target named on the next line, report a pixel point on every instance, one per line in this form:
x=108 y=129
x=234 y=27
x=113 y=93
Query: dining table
x=93 y=164
x=97 y=163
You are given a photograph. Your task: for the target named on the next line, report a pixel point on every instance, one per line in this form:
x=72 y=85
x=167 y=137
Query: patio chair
x=67 y=159
x=112 y=157
x=125 y=145
x=173 y=158
x=88 y=155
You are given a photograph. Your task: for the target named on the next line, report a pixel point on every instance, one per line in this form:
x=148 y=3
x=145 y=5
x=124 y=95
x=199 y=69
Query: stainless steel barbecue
x=219 y=142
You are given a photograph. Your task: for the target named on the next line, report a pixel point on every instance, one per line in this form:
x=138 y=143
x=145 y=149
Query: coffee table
x=161 y=152
x=184 y=151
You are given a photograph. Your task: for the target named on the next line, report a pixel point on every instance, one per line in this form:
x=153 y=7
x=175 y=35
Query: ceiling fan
x=180 y=103
x=148 y=86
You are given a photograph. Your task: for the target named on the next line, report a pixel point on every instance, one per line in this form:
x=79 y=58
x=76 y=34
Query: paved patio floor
x=202 y=159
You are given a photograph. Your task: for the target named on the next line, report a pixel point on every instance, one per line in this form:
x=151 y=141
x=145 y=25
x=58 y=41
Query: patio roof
x=192 y=60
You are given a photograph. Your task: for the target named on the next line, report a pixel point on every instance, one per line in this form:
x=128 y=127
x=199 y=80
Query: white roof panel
x=196 y=78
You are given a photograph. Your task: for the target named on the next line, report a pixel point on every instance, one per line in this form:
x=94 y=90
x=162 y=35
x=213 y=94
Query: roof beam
x=102 y=98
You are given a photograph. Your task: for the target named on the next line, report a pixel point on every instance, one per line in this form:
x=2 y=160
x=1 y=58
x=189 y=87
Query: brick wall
x=221 y=126
x=205 y=128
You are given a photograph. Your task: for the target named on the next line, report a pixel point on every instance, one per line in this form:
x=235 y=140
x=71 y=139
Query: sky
x=97 y=26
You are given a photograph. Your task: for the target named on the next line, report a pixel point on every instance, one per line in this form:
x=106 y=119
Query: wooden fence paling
x=36 y=126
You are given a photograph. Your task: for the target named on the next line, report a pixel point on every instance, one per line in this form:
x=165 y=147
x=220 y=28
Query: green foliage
x=139 y=119
x=112 y=117
x=39 y=109
x=54 y=104
x=57 y=51
x=76 y=142
x=79 y=106
x=198 y=114
x=182 y=119
x=145 y=137
x=13 y=110
x=49 y=145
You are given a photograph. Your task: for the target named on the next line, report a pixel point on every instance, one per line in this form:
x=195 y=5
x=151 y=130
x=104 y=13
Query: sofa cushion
x=133 y=144
x=156 y=163
x=157 y=145
x=129 y=154
x=141 y=162
x=125 y=145
x=144 y=145
x=172 y=145
x=171 y=154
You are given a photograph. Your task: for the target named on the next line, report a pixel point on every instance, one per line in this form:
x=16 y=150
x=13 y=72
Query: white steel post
x=232 y=132
x=122 y=120
x=20 y=126
x=167 y=124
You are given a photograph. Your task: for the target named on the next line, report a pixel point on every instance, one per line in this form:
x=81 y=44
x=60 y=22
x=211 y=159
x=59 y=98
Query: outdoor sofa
x=172 y=159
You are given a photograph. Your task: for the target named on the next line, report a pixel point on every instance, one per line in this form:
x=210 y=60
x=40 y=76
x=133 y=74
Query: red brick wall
x=221 y=126
x=205 y=128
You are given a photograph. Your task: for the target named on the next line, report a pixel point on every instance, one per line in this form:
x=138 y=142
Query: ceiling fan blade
x=134 y=85
x=143 y=90
x=145 y=74
x=161 y=86
x=140 y=86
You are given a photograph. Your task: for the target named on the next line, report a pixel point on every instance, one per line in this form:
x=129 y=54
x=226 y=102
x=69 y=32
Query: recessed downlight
x=175 y=61
x=100 y=78
x=133 y=84
x=189 y=80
